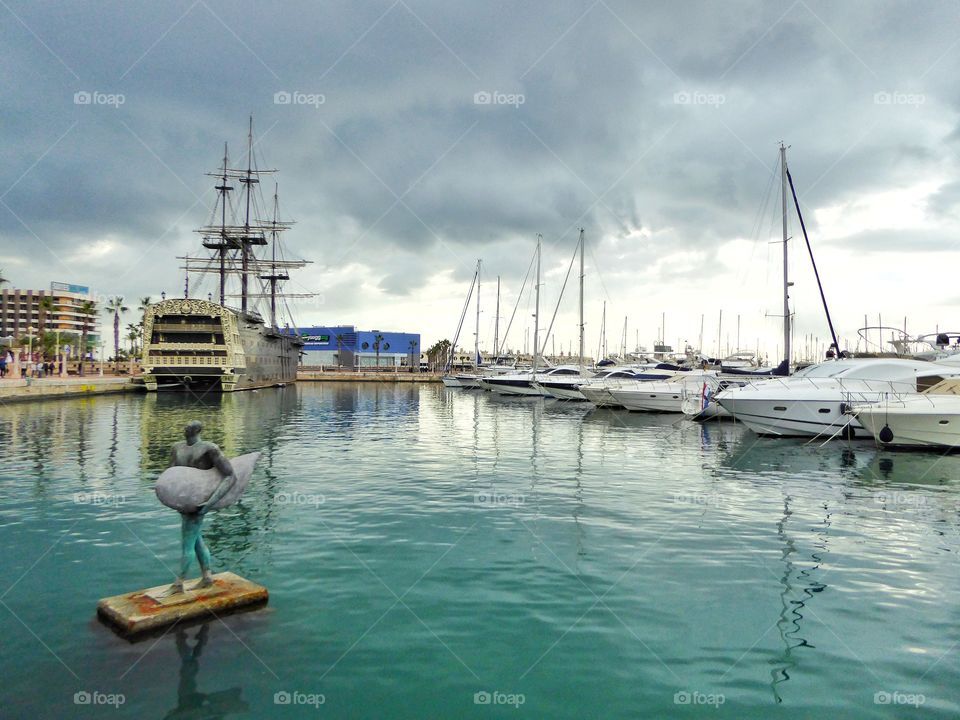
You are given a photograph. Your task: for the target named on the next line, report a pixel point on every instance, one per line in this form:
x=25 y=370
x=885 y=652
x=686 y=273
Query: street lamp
x=31 y=331
x=61 y=362
x=101 y=357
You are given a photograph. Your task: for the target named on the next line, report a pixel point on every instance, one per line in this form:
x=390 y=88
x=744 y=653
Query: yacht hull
x=916 y=423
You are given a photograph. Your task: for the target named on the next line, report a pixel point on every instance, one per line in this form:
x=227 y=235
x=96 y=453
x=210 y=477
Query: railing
x=188 y=327
x=186 y=361
x=186 y=346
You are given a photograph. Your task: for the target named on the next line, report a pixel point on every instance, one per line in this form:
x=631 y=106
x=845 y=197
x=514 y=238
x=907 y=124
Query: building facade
x=345 y=346
x=23 y=312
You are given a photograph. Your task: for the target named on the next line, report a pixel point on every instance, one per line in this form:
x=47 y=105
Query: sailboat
x=459 y=381
x=192 y=344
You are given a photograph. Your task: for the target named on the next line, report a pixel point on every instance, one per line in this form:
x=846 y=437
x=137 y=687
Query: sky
x=413 y=137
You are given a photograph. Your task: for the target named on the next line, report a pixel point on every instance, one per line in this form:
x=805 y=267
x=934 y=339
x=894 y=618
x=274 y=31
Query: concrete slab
x=148 y=610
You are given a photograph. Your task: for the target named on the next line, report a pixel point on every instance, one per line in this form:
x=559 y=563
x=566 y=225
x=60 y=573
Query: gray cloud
x=662 y=119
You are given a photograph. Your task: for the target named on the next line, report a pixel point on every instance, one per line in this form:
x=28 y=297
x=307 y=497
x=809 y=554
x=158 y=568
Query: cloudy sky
x=654 y=126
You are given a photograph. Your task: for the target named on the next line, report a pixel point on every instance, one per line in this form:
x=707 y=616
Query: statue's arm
x=221 y=463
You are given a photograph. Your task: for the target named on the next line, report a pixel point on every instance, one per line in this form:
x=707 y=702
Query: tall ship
x=192 y=344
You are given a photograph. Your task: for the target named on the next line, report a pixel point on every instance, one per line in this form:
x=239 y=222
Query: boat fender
x=885 y=434
x=844 y=408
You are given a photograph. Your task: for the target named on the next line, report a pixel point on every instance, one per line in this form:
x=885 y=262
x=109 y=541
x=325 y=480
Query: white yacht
x=813 y=401
x=598 y=390
x=664 y=395
x=528 y=383
x=930 y=419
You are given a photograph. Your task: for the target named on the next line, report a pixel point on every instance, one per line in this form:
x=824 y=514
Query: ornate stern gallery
x=203 y=345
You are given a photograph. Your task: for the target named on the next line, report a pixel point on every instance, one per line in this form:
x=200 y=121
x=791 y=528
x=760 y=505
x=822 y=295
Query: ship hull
x=198 y=346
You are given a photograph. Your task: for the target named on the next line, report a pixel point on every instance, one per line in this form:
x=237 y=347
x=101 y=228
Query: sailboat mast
x=536 y=309
x=581 y=299
x=476 y=340
x=786 y=283
x=496 y=326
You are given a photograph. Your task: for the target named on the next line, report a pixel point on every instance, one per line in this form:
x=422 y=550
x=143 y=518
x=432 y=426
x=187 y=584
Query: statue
x=200 y=479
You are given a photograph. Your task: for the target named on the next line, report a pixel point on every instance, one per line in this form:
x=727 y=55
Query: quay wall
x=380 y=377
x=47 y=388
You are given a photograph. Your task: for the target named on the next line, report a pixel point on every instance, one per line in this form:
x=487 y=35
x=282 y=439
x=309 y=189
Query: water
x=425 y=546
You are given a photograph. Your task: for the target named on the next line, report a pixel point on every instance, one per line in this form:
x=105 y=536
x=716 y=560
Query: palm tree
x=377 y=339
x=46 y=306
x=115 y=305
x=87 y=310
x=3 y=278
x=134 y=333
x=438 y=352
x=340 y=340
x=413 y=350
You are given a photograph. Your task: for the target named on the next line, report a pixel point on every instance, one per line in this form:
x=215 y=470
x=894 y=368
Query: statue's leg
x=203 y=558
x=189 y=530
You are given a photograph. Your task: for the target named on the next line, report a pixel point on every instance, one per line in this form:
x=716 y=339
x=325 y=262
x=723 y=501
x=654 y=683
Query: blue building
x=345 y=346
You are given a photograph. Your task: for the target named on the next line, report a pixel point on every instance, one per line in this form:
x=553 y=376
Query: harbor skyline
x=414 y=138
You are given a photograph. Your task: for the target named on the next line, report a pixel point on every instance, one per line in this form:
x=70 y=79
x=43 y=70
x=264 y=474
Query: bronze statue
x=211 y=483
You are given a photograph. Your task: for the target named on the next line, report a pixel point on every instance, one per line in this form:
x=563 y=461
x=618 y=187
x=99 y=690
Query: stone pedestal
x=149 y=610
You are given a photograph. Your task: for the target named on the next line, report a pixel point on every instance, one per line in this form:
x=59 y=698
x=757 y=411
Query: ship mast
x=233 y=239
x=581 y=302
x=496 y=327
x=224 y=243
x=246 y=240
x=476 y=339
x=786 y=282
x=274 y=276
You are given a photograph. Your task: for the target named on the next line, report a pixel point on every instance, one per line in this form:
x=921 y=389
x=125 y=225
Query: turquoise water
x=429 y=549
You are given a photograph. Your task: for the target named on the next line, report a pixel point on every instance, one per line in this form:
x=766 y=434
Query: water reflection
x=191 y=703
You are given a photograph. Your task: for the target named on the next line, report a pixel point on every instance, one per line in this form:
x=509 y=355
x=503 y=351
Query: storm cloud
x=413 y=137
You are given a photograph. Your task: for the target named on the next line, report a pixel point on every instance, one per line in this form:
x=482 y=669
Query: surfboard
x=184 y=488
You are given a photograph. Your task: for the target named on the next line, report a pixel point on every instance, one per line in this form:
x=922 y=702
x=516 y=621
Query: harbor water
x=437 y=553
